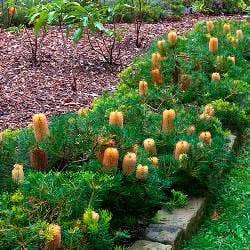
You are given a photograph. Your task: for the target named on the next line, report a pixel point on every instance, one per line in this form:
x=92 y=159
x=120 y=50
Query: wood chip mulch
x=69 y=77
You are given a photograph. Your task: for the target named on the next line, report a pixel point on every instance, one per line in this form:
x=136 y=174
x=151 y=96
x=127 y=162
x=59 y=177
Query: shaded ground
x=50 y=87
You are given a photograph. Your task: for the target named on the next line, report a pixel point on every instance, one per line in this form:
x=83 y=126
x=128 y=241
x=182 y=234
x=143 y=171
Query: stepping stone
x=232 y=142
x=149 y=245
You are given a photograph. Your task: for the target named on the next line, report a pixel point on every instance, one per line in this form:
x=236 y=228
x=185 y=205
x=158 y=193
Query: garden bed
x=158 y=140
x=26 y=89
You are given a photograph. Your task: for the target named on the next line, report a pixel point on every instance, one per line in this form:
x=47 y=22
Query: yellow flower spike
x=40 y=127
x=17 y=173
x=116 y=118
x=168 y=118
x=110 y=158
x=129 y=163
x=181 y=147
x=149 y=146
x=213 y=44
x=141 y=172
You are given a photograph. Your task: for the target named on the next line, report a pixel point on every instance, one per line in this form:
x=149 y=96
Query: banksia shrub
x=83 y=112
x=129 y=163
x=154 y=161
x=226 y=28
x=39 y=159
x=185 y=82
x=191 y=130
x=181 y=147
x=141 y=172
x=162 y=47
x=156 y=61
x=213 y=44
x=172 y=38
x=215 y=77
x=40 y=127
x=17 y=173
x=168 y=118
x=143 y=88
x=12 y=11
x=149 y=146
x=157 y=76
x=110 y=158
x=239 y=34
x=210 y=26
x=206 y=137
x=56 y=237
x=90 y=217
x=116 y=118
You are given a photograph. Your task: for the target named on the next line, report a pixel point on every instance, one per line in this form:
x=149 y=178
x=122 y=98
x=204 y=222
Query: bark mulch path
x=50 y=87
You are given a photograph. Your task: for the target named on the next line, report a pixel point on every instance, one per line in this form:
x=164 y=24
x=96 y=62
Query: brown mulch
x=69 y=77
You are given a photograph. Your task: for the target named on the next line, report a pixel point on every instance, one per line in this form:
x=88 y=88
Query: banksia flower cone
x=39 y=159
x=162 y=47
x=56 y=237
x=168 y=118
x=226 y=28
x=90 y=216
x=141 y=172
x=83 y=112
x=231 y=59
x=110 y=158
x=40 y=127
x=213 y=44
x=210 y=26
x=156 y=61
x=209 y=110
x=149 y=146
x=12 y=11
x=116 y=118
x=143 y=88
x=206 y=137
x=239 y=34
x=155 y=161
x=191 y=130
x=185 y=82
x=172 y=38
x=215 y=77
x=157 y=76
x=129 y=163
x=17 y=173
x=181 y=147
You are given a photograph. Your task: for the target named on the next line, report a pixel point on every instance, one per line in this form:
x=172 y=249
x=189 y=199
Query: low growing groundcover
x=86 y=180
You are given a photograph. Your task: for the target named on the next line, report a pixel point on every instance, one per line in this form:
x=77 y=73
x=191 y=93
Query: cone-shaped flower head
x=185 y=82
x=157 y=76
x=210 y=26
x=129 y=163
x=239 y=34
x=215 y=77
x=162 y=47
x=116 y=118
x=191 y=130
x=110 y=158
x=172 y=38
x=155 y=161
x=231 y=59
x=39 y=159
x=83 y=112
x=181 y=147
x=141 y=172
x=143 y=88
x=40 y=127
x=56 y=237
x=213 y=44
x=168 y=118
x=156 y=61
x=12 y=11
x=149 y=146
x=90 y=216
x=226 y=28
x=206 y=137
x=209 y=110
x=17 y=173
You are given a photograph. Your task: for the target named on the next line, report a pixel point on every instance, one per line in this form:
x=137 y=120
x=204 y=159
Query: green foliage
x=75 y=183
x=231 y=196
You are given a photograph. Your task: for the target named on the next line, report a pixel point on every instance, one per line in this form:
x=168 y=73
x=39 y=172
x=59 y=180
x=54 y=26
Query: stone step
x=149 y=245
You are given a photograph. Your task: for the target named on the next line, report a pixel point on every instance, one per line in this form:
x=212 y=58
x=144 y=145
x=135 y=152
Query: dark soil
x=67 y=77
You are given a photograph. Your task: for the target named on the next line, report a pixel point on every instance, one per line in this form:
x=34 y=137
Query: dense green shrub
x=74 y=185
